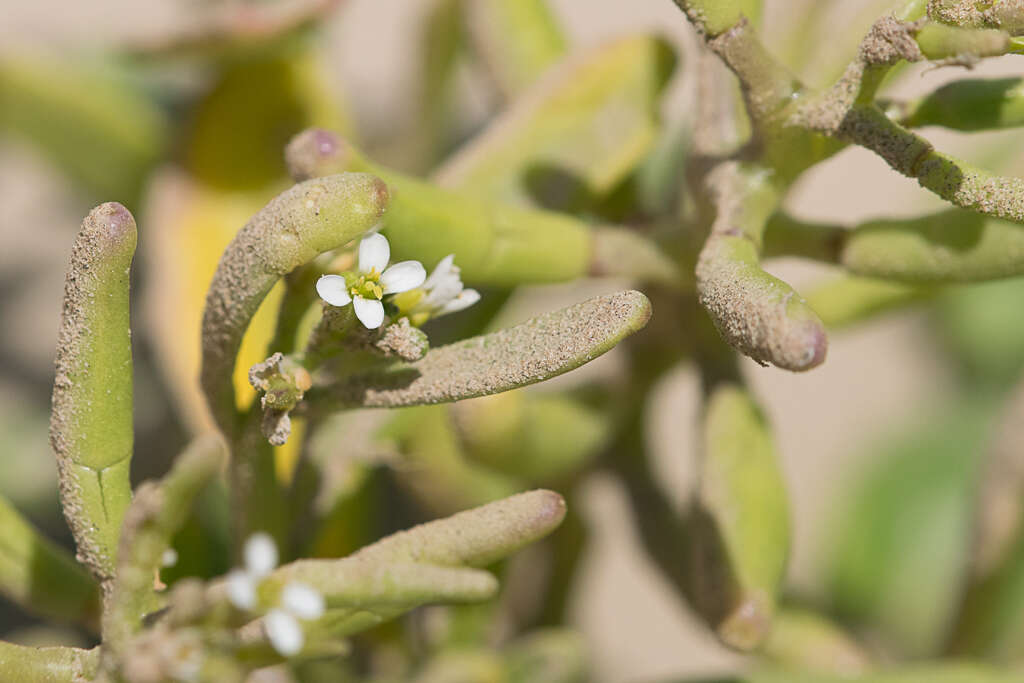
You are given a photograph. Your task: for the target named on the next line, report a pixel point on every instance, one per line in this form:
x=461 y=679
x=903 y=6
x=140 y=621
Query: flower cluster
x=416 y=296
x=298 y=600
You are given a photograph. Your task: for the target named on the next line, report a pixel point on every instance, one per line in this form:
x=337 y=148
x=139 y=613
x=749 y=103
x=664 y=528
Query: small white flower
x=374 y=280
x=298 y=601
x=443 y=293
x=260 y=557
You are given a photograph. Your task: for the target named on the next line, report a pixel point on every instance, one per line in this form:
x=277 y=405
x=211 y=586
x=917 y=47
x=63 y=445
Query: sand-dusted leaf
x=302 y=222
x=534 y=351
x=91 y=424
x=755 y=312
x=433 y=562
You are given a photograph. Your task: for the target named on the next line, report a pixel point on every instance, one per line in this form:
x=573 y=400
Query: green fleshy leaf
x=91 y=424
x=539 y=349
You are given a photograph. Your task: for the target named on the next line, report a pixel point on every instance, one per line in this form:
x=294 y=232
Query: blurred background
x=882 y=445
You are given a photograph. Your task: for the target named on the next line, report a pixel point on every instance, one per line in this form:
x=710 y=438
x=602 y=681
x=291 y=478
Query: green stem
x=157 y=513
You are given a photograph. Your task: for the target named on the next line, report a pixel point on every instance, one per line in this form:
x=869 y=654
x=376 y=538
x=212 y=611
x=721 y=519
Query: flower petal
x=333 y=290
x=441 y=271
x=369 y=311
x=284 y=632
x=241 y=589
x=302 y=600
x=169 y=558
x=260 y=554
x=374 y=253
x=402 y=277
x=465 y=299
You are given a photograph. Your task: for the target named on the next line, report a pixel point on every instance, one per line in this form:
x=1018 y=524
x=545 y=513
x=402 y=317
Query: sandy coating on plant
x=756 y=313
x=101 y=257
x=403 y=340
x=536 y=350
x=1005 y=14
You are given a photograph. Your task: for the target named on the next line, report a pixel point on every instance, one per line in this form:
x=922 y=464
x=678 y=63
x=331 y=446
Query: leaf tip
x=111 y=227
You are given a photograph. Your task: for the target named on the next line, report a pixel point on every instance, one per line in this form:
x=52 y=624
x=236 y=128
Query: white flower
x=440 y=294
x=297 y=601
x=260 y=556
x=365 y=290
x=169 y=558
x=444 y=290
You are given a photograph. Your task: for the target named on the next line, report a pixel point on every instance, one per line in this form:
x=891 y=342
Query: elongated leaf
x=47 y=664
x=534 y=351
x=86 y=118
x=594 y=118
x=740 y=527
x=40 y=576
x=433 y=562
x=91 y=423
x=518 y=40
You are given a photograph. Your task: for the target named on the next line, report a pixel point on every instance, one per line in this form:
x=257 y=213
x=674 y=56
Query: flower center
x=365 y=285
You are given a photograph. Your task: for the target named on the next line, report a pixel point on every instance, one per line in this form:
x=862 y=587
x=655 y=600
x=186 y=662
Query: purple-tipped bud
x=314 y=153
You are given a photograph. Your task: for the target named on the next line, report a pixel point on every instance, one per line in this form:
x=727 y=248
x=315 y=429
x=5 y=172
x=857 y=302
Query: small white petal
x=284 y=632
x=333 y=290
x=441 y=271
x=241 y=589
x=369 y=311
x=374 y=253
x=169 y=558
x=302 y=600
x=260 y=554
x=402 y=277
x=442 y=292
x=465 y=299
